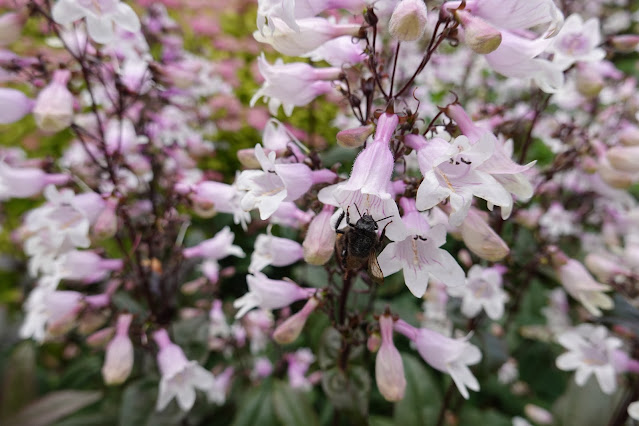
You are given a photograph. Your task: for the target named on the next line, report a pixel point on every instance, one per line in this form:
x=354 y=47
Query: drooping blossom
x=311 y=34
x=290 y=10
x=180 y=377
x=216 y=248
x=53 y=109
x=101 y=16
x=451 y=356
x=23 y=182
x=13 y=105
x=290 y=329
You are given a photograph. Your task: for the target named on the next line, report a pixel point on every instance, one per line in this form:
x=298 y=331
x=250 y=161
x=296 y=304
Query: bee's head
x=366 y=222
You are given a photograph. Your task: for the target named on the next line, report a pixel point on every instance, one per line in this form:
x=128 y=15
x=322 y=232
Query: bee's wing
x=374 y=270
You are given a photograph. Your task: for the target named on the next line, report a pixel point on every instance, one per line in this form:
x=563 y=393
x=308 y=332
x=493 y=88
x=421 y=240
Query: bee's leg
x=383 y=234
x=348 y=217
x=339 y=222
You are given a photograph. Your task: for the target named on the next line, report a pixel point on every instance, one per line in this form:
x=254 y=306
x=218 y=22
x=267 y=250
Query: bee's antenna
x=357 y=208
x=384 y=218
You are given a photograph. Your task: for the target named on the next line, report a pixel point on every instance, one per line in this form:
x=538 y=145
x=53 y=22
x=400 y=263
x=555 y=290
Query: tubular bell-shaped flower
x=451 y=356
x=367 y=187
x=311 y=34
x=577 y=41
x=269 y=294
x=180 y=377
x=419 y=255
x=216 y=248
x=53 y=109
x=13 y=105
x=276 y=251
x=118 y=359
x=22 y=182
x=291 y=85
x=483 y=290
x=290 y=10
x=291 y=328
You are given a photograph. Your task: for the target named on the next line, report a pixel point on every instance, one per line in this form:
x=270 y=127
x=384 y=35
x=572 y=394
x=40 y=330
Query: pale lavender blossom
x=483 y=291
x=118 y=358
x=269 y=294
x=389 y=368
x=276 y=251
x=577 y=41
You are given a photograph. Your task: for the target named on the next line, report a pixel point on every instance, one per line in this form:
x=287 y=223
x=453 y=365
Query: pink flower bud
x=624 y=158
x=408 y=21
x=479 y=35
x=389 y=368
x=625 y=43
x=589 y=81
x=13 y=105
x=538 y=415
x=118 y=360
x=480 y=238
x=100 y=338
x=615 y=178
x=10 y=27
x=354 y=138
x=289 y=330
x=319 y=243
x=53 y=110
x=603 y=267
x=629 y=134
x=374 y=342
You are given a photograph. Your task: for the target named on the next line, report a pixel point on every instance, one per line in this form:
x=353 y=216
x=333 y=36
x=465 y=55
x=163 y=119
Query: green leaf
x=381 y=421
x=348 y=391
x=292 y=407
x=256 y=408
x=474 y=416
x=422 y=399
x=586 y=405
x=53 y=407
x=138 y=406
x=19 y=381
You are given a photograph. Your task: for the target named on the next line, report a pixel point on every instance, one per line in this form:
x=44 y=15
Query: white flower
x=590 y=350
x=101 y=16
x=269 y=294
x=276 y=251
x=577 y=42
x=275 y=183
x=633 y=410
x=483 y=290
x=48 y=310
x=451 y=171
x=180 y=377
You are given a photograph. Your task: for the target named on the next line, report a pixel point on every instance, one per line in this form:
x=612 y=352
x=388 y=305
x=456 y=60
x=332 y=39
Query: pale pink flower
x=118 y=358
x=13 y=105
x=389 y=368
x=483 y=290
x=23 y=182
x=53 y=109
x=577 y=41
x=276 y=251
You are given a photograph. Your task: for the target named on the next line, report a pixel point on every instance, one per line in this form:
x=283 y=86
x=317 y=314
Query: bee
x=357 y=245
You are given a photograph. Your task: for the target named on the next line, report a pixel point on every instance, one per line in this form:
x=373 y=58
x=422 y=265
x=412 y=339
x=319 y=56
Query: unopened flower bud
x=248 y=159
x=408 y=21
x=625 y=43
x=615 y=178
x=629 y=134
x=10 y=27
x=118 y=360
x=289 y=330
x=53 y=109
x=353 y=138
x=480 y=238
x=589 y=81
x=538 y=415
x=624 y=158
x=320 y=239
x=479 y=35
x=100 y=338
x=603 y=267
x=374 y=342
x=389 y=368
x=106 y=225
